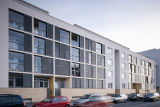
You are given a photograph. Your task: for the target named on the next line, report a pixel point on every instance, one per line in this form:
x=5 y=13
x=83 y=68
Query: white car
x=86 y=98
x=119 y=98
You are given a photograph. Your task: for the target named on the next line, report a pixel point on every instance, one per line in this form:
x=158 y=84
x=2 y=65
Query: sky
x=132 y=23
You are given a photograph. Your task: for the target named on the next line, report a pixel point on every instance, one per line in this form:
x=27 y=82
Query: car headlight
x=116 y=98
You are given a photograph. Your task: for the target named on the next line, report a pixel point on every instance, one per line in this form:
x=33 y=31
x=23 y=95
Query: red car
x=58 y=101
x=96 y=101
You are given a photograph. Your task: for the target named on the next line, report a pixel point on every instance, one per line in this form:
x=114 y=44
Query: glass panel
x=16 y=37
x=41 y=84
x=46 y=84
x=64 y=34
x=41 y=43
x=37 y=61
x=16 y=17
x=35 y=42
x=16 y=58
x=42 y=26
x=5 y=100
x=19 y=82
x=10 y=82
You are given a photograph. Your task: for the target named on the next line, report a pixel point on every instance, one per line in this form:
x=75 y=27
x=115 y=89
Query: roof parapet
x=31 y=6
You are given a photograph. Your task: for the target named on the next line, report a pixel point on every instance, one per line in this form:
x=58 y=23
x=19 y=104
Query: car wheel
x=67 y=106
x=117 y=101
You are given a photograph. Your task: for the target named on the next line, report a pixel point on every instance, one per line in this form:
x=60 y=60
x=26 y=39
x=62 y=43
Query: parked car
x=135 y=96
x=151 y=97
x=117 y=98
x=57 y=101
x=85 y=98
x=96 y=101
x=10 y=100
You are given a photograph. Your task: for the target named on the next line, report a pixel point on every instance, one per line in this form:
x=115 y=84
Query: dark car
x=151 y=97
x=58 y=101
x=96 y=101
x=135 y=97
x=10 y=100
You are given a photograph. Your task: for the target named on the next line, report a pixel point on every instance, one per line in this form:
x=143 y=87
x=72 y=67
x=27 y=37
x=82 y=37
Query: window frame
x=98 y=49
x=123 y=76
x=44 y=34
x=73 y=55
x=75 y=71
x=123 y=86
x=64 y=37
x=39 y=46
x=73 y=34
x=37 y=65
x=110 y=85
x=43 y=81
x=109 y=50
x=110 y=74
x=123 y=65
x=110 y=62
x=122 y=55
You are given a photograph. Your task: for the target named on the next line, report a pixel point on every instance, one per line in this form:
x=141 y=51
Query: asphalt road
x=138 y=104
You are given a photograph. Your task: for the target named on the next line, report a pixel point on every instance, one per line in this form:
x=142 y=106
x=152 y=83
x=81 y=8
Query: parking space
x=138 y=104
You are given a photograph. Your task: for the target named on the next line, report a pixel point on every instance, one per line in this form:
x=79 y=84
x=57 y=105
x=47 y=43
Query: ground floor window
x=110 y=85
x=123 y=86
x=43 y=83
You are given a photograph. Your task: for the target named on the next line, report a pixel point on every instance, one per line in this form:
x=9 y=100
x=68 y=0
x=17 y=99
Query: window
x=130 y=59
x=40 y=28
x=99 y=48
x=75 y=40
x=16 y=20
x=16 y=99
x=90 y=57
x=16 y=61
x=39 y=46
x=64 y=36
x=43 y=83
x=16 y=40
x=129 y=85
x=11 y=82
x=75 y=69
x=75 y=54
x=140 y=62
x=109 y=50
x=123 y=86
x=19 y=82
x=109 y=85
x=35 y=83
x=56 y=100
x=56 y=84
x=123 y=76
x=133 y=68
x=64 y=99
x=143 y=63
x=37 y=64
x=130 y=67
x=123 y=65
x=5 y=100
x=109 y=62
x=122 y=55
x=110 y=73
x=139 y=69
x=135 y=60
x=130 y=77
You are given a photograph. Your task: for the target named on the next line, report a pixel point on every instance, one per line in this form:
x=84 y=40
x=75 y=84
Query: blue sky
x=132 y=23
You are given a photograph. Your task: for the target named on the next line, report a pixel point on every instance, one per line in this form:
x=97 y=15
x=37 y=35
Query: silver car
x=85 y=98
x=117 y=98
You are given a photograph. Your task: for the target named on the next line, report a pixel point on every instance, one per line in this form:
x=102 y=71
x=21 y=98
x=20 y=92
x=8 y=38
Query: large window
x=110 y=73
x=37 y=64
x=16 y=61
x=99 y=48
x=43 y=83
x=75 y=69
x=16 y=40
x=16 y=20
x=15 y=80
x=75 y=40
x=75 y=54
x=40 y=28
x=110 y=85
x=64 y=36
x=130 y=77
x=143 y=63
x=39 y=46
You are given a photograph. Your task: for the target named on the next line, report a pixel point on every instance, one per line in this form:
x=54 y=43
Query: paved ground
x=138 y=104
x=130 y=104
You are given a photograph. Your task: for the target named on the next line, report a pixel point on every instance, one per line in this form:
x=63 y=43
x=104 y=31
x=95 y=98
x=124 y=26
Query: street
x=138 y=104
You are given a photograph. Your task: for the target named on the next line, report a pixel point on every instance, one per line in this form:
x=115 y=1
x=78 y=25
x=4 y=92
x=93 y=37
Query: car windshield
x=46 y=100
x=115 y=95
x=133 y=94
x=96 y=98
x=85 y=96
x=150 y=94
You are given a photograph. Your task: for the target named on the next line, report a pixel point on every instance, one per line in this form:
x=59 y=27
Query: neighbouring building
x=43 y=56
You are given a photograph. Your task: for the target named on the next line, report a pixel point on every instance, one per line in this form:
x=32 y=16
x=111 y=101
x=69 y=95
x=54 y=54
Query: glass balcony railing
x=39 y=32
x=16 y=25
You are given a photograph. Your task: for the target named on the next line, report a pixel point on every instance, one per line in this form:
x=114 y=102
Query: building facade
x=39 y=51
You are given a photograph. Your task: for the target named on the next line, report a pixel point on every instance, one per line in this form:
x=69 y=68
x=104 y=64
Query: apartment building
x=43 y=56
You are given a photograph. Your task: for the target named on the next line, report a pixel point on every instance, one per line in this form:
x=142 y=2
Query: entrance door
x=59 y=83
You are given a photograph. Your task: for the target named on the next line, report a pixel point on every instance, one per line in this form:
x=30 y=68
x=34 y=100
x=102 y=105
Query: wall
x=37 y=94
x=125 y=91
x=142 y=91
x=69 y=92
